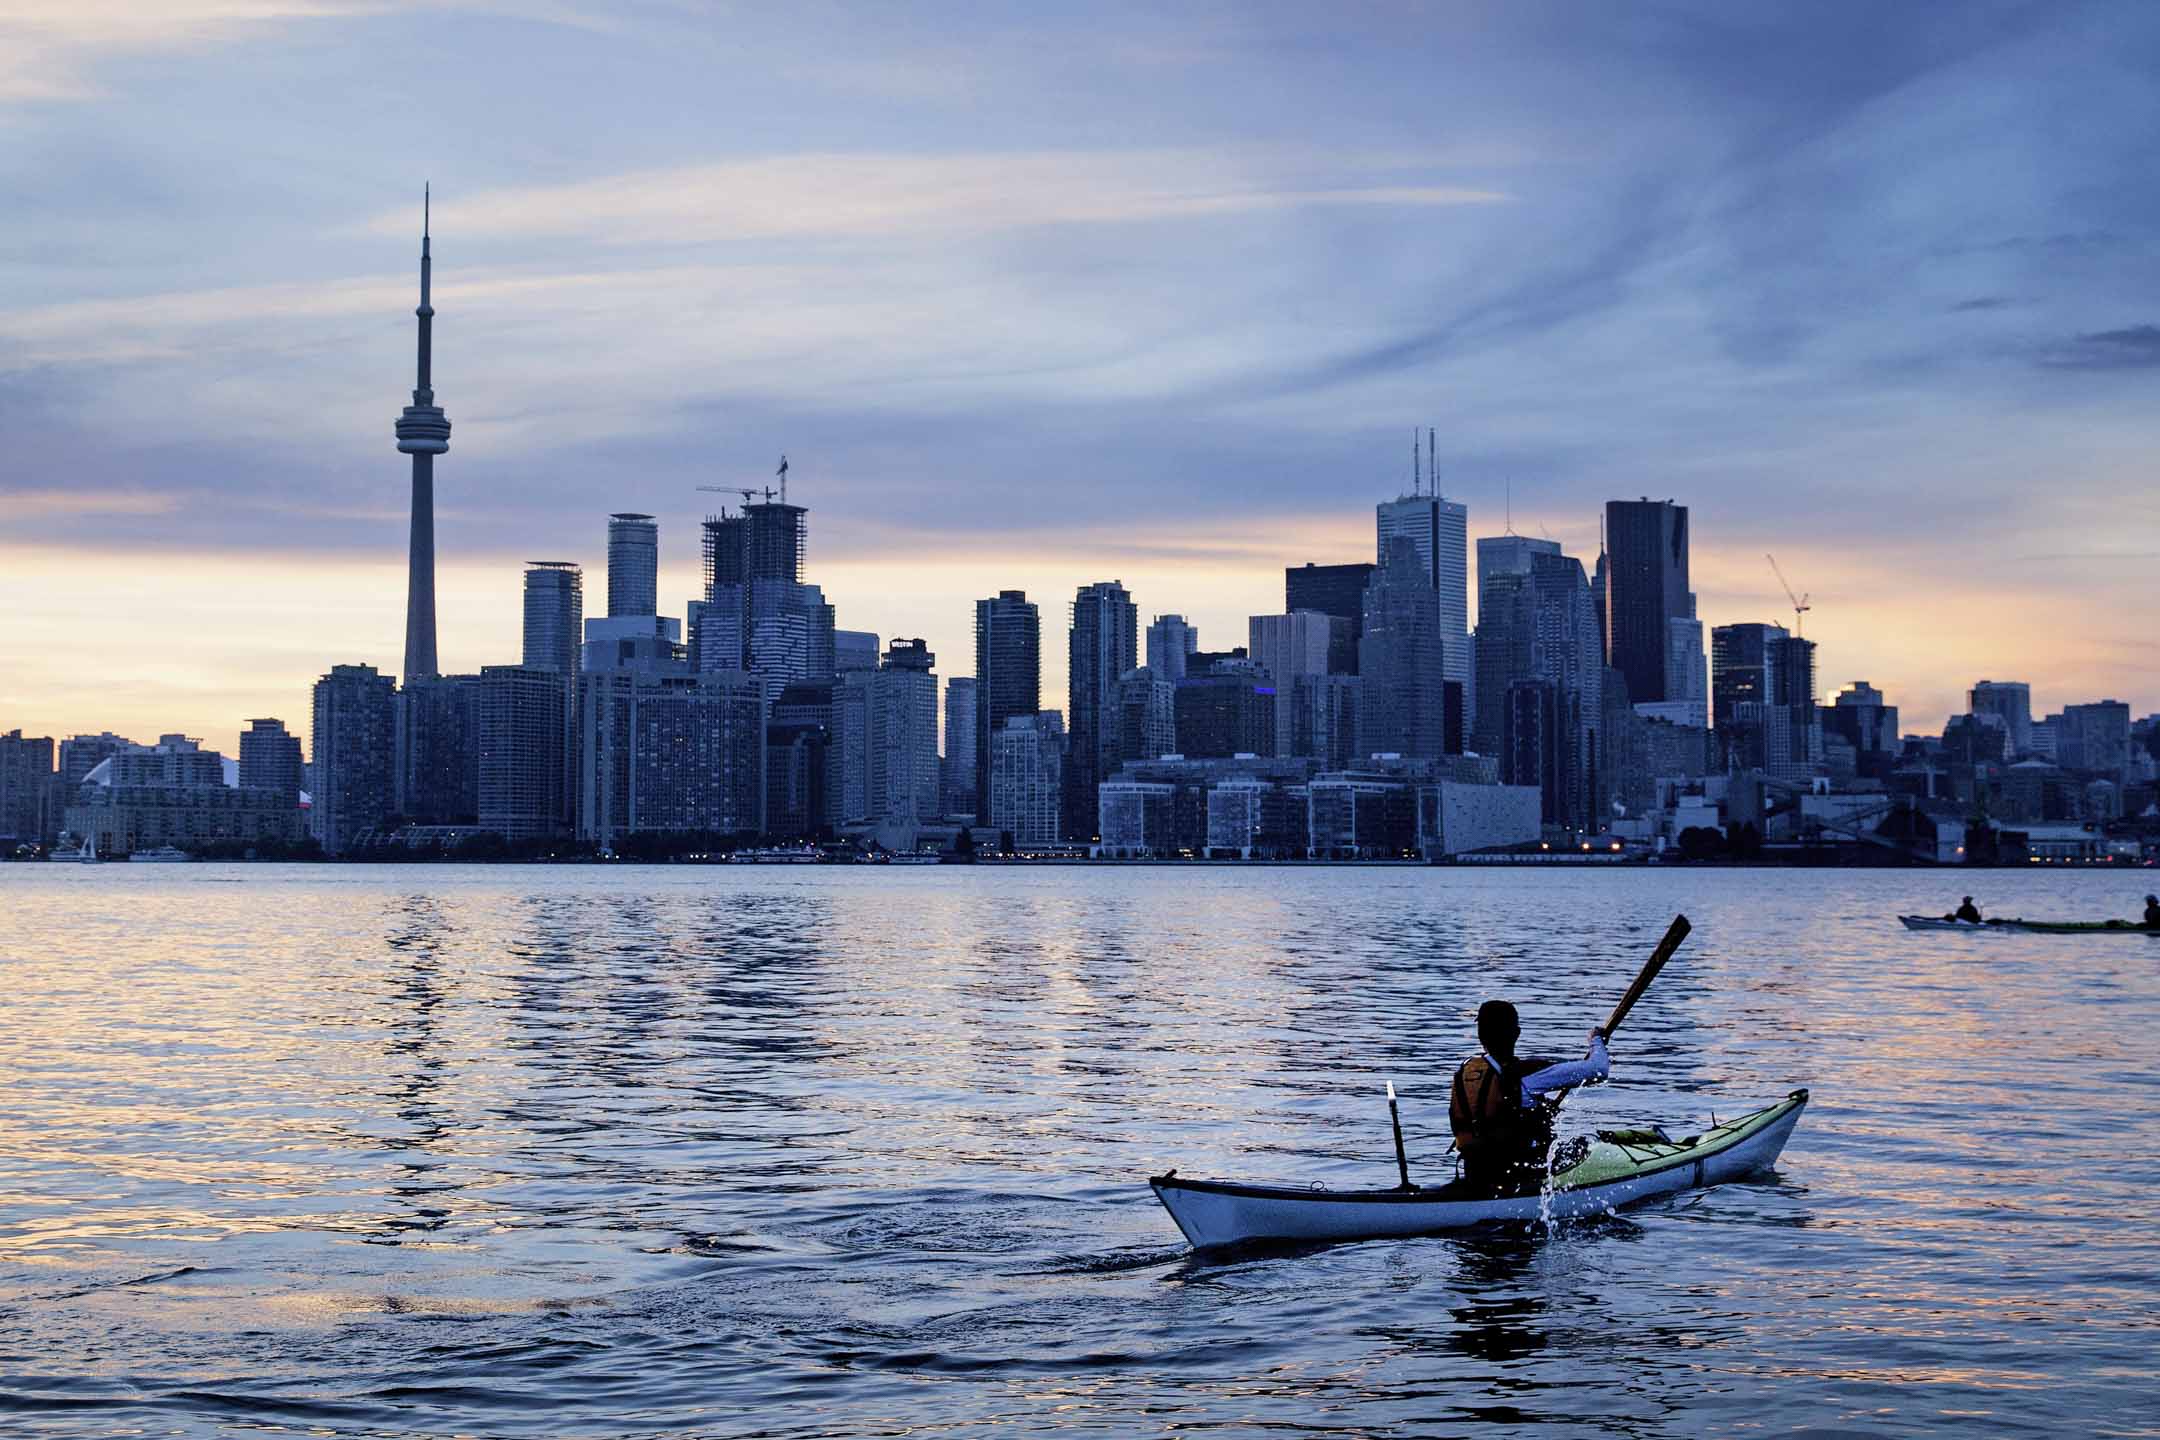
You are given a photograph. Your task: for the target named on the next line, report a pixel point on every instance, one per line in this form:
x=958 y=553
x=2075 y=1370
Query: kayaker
x=2152 y=912
x=1968 y=912
x=1503 y=1126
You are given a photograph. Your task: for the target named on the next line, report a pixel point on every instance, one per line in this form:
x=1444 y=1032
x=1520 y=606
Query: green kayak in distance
x=2030 y=927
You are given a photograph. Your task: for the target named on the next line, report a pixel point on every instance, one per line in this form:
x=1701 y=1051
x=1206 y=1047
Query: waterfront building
x=801 y=708
x=423 y=432
x=1227 y=709
x=270 y=759
x=354 y=755
x=960 y=741
x=1337 y=590
x=80 y=754
x=26 y=790
x=524 y=770
x=1008 y=675
x=1162 y=807
x=1646 y=589
x=1437 y=530
x=437 y=743
x=1145 y=719
x=1027 y=758
x=1249 y=818
x=1103 y=644
x=1358 y=816
x=175 y=793
x=902 y=771
x=1137 y=819
x=2011 y=702
x=664 y=749
x=633 y=566
x=797 y=769
x=1402 y=707
x=554 y=615
x=1290 y=648
x=1170 y=642
x=1323 y=718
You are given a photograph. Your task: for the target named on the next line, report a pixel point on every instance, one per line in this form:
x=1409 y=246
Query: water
x=821 y=1151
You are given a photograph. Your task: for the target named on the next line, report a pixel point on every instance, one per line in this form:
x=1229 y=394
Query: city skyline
x=202 y=446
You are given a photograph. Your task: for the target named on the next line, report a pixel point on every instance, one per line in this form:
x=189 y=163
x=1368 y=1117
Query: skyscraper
x=354 y=749
x=960 y=745
x=1288 y=648
x=1104 y=643
x=2011 y=702
x=758 y=614
x=1646 y=587
x=1027 y=781
x=903 y=740
x=1402 y=706
x=1541 y=684
x=437 y=750
x=423 y=432
x=554 y=615
x=1008 y=674
x=270 y=759
x=1337 y=590
x=1438 y=530
x=633 y=566
x=26 y=773
x=523 y=769
x=1169 y=641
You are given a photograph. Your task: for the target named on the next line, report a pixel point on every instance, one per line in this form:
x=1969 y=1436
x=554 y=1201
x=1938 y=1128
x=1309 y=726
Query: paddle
x=1674 y=934
x=1402 y=1161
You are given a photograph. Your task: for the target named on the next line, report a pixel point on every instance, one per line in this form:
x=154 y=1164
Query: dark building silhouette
x=354 y=765
x=525 y=768
x=1402 y=709
x=1008 y=672
x=1104 y=643
x=438 y=750
x=1646 y=587
x=1228 y=709
x=270 y=759
x=1337 y=590
x=423 y=432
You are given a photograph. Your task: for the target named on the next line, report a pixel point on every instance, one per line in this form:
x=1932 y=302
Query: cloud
x=48 y=47
x=2135 y=347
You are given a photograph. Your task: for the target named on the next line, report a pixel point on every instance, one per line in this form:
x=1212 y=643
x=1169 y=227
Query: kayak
x=1617 y=1168
x=2031 y=927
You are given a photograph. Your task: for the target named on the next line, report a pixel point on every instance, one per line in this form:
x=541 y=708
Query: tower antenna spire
x=1432 y=459
x=1417 y=482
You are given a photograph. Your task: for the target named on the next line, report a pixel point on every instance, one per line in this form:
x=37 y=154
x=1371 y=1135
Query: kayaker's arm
x=1569 y=1073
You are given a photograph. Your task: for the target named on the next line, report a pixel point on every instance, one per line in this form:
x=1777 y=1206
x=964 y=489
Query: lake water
x=860 y=1151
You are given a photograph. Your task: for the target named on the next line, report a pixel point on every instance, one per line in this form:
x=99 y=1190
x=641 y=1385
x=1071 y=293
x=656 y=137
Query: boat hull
x=2029 y=927
x=1217 y=1213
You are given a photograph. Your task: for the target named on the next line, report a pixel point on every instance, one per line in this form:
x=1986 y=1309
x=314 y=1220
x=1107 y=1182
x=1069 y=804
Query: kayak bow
x=1620 y=1168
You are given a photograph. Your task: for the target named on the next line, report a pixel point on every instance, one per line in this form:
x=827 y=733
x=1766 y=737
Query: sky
x=1038 y=295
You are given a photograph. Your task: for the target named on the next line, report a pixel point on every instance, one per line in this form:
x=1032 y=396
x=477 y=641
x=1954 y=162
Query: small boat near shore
x=1617 y=1168
x=2028 y=927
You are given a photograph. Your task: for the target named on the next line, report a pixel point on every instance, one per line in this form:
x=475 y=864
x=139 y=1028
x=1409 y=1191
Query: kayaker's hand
x=1597 y=1037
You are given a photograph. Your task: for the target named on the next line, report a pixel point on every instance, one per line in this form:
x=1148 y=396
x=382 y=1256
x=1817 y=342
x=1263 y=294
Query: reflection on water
x=635 y=1151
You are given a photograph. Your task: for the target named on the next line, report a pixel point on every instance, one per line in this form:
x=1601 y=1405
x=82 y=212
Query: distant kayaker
x=2152 y=912
x=1968 y=912
x=1503 y=1125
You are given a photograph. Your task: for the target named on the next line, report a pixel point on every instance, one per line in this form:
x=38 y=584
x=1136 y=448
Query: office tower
x=423 y=432
x=850 y=781
x=1762 y=684
x=1542 y=686
x=1860 y=718
x=1402 y=707
x=1170 y=644
x=354 y=755
x=2010 y=701
x=1509 y=554
x=959 y=761
x=26 y=786
x=524 y=770
x=1687 y=673
x=798 y=767
x=554 y=615
x=1026 y=777
x=758 y=614
x=1145 y=722
x=1646 y=587
x=270 y=758
x=80 y=754
x=903 y=739
x=1103 y=643
x=1227 y=709
x=1288 y=648
x=1324 y=719
x=633 y=566
x=1600 y=596
x=2094 y=739
x=1008 y=674
x=1438 y=530
x=437 y=750
x=854 y=650
x=1337 y=590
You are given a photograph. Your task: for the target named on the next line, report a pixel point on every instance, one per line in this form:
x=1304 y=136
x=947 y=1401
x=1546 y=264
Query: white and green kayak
x=1618 y=1168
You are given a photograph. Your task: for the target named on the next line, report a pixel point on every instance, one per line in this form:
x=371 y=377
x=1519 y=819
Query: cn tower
x=423 y=432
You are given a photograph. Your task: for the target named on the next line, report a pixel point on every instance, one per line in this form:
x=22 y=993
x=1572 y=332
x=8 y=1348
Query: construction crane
x=1800 y=605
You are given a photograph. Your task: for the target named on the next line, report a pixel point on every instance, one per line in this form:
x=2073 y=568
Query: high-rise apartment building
x=270 y=759
x=1145 y=719
x=902 y=737
x=1646 y=588
x=1226 y=709
x=523 y=768
x=1103 y=644
x=633 y=566
x=354 y=750
x=554 y=615
x=1289 y=648
x=1027 y=786
x=80 y=754
x=960 y=745
x=1008 y=674
x=665 y=750
x=437 y=720
x=26 y=788
x=1438 y=531
x=758 y=614
x=1170 y=643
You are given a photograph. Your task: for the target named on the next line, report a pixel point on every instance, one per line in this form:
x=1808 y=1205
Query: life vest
x=1487 y=1104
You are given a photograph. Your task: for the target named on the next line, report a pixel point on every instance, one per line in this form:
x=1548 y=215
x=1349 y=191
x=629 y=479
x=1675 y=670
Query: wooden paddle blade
x=1664 y=952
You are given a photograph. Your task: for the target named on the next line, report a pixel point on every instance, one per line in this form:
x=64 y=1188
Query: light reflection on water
x=805 y=1152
